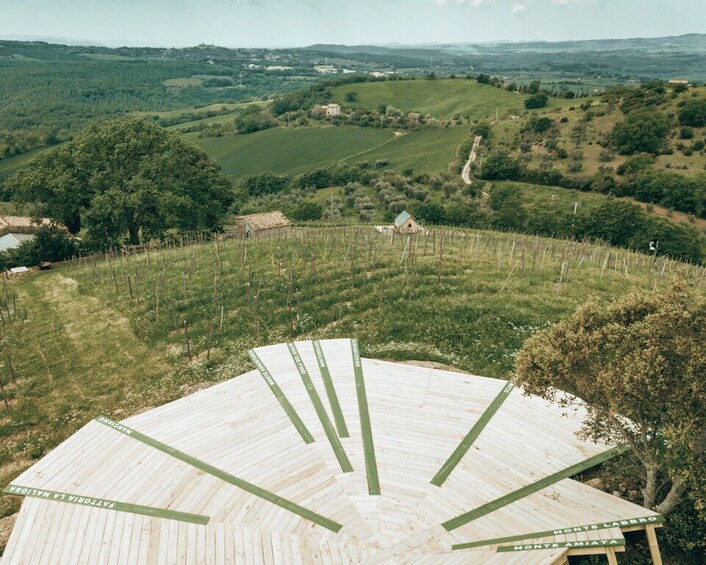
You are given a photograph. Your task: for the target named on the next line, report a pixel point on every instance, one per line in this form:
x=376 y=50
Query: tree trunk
x=673 y=498
x=650 y=491
x=134 y=230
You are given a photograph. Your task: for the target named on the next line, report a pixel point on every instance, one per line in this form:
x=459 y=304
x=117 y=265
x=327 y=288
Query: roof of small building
x=12 y=223
x=13 y=240
x=402 y=218
x=266 y=221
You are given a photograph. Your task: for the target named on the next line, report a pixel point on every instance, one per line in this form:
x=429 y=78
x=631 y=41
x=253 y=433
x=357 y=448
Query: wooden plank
x=115 y=505
x=330 y=390
x=227 y=477
x=320 y=411
x=581 y=544
x=282 y=399
x=371 y=469
x=533 y=487
x=559 y=531
x=654 y=545
x=463 y=447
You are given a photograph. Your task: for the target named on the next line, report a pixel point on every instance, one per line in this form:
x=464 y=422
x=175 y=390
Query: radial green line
x=281 y=398
x=105 y=504
x=466 y=443
x=227 y=477
x=338 y=450
x=622 y=523
x=467 y=517
x=587 y=544
x=371 y=467
x=330 y=391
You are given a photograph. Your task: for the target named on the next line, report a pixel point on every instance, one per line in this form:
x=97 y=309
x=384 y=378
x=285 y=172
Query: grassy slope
x=296 y=150
x=82 y=347
x=439 y=98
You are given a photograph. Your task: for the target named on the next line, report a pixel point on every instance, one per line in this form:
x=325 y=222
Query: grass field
x=11 y=164
x=440 y=98
x=183 y=82
x=292 y=151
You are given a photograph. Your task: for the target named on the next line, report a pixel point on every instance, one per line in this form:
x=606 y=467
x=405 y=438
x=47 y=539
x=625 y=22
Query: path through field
x=466 y=174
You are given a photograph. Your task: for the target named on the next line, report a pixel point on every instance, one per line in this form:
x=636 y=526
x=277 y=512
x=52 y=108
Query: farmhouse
x=319 y=452
x=332 y=109
x=404 y=223
x=268 y=224
x=15 y=230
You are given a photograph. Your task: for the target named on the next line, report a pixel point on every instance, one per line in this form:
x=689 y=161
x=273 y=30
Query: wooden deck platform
x=319 y=456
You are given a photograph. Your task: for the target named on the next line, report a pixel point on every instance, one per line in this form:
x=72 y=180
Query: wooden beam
x=612 y=558
x=654 y=546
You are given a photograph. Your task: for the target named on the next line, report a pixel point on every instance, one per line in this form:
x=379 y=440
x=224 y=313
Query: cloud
x=519 y=8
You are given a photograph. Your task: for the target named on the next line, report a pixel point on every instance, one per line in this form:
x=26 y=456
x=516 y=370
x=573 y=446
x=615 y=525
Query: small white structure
x=405 y=223
x=325 y=69
x=331 y=109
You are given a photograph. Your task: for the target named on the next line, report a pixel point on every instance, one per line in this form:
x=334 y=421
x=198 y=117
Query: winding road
x=466 y=174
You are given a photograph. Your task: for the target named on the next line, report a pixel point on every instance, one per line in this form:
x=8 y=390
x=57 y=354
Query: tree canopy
x=639 y=365
x=125 y=178
x=642 y=131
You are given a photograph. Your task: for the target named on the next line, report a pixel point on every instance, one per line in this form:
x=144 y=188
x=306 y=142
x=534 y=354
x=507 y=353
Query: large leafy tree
x=643 y=130
x=125 y=178
x=639 y=364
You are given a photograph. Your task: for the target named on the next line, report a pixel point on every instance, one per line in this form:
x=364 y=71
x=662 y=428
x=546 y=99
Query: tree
x=693 y=113
x=638 y=363
x=307 y=211
x=125 y=177
x=536 y=101
x=642 y=130
x=501 y=165
x=534 y=87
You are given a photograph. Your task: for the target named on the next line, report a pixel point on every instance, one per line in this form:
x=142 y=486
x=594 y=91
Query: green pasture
x=295 y=150
x=442 y=98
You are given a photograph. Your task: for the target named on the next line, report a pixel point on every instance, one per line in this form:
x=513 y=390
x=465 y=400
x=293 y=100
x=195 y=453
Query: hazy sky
x=285 y=23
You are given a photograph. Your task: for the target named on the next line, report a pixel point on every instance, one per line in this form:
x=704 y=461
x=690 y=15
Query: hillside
x=294 y=150
x=441 y=98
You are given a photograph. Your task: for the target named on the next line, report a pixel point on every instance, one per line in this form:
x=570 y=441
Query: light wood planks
x=319 y=456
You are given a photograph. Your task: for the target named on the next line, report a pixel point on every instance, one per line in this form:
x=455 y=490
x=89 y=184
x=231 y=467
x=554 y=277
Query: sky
x=293 y=23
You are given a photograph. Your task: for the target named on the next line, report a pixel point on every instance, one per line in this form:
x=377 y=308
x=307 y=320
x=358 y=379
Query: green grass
x=295 y=150
x=183 y=82
x=290 y=150
x=424 y=151
x=11 y=164
x=106 y=57
x=439 y=98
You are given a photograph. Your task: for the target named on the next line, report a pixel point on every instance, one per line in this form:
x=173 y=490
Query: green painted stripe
x=341 y=456
x=623 y=523
x=330 y=391
x=588 y=544
x=463 y=447
x=228 y=478
x=467 y=517
x=105 y=504
x=282 y=399
x=371 y=466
